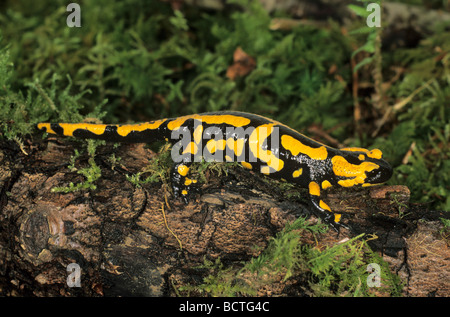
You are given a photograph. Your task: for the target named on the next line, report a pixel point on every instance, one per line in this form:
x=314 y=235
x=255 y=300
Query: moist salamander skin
x=258 y=143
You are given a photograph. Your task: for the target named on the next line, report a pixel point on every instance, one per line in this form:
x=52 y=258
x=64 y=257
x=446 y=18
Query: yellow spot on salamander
x=189 y=181
x=176 y=123
x=314 y=189
x=236 y=145
x=326 y=184
x=256 y=140
x=69 y=128
x=324 y=205
x=297 y=173
x=212 y=145
x=232 y=120
x=47 y=127
x=124 y=130
x=361 y=157
x=183 y=170
x=337 y=217
x=198 y=132
x=355 y=149
x=351 y=182
x=191 y=148
x=235 y=121
x=247 y=165
x=184 y=192
x=356 y=174
x=296 y=147
x=265 y=170
x=375 y=153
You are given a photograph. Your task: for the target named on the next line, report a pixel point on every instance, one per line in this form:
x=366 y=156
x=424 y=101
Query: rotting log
x=139 y=241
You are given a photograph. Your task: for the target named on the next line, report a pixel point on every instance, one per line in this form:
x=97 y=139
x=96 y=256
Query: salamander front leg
x=330 y=217
x=180 y=181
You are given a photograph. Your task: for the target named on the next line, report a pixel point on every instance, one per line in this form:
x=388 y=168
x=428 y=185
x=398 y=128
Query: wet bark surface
x=140 y=241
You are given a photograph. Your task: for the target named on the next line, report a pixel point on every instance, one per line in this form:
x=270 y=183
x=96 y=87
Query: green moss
x=340 y=270
x=158 y=169
x=91 y=173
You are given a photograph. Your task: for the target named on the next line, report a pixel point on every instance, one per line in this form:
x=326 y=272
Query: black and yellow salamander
x=258 y=143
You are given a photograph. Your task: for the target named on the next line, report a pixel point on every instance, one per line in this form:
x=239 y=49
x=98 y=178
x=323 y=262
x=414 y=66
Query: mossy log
x=139 y=241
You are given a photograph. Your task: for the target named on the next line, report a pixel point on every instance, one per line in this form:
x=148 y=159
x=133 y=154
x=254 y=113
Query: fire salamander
x=258 y=143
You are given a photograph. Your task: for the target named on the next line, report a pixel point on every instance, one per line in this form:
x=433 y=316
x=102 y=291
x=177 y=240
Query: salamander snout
x=381 y=174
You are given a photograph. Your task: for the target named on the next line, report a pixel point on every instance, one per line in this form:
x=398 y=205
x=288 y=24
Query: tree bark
x=139 y=241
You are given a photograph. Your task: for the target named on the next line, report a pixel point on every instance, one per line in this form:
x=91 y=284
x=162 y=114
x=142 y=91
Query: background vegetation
x=141 y=60
x=134 y=61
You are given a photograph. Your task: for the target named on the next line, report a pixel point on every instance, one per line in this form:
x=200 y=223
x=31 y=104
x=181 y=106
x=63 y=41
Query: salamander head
x=381 y=174
x=357 y=166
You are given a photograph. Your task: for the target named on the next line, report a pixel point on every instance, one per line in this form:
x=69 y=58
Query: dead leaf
x=243 y=64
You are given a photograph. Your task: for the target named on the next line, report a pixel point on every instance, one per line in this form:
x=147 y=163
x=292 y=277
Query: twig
x=167 y=226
